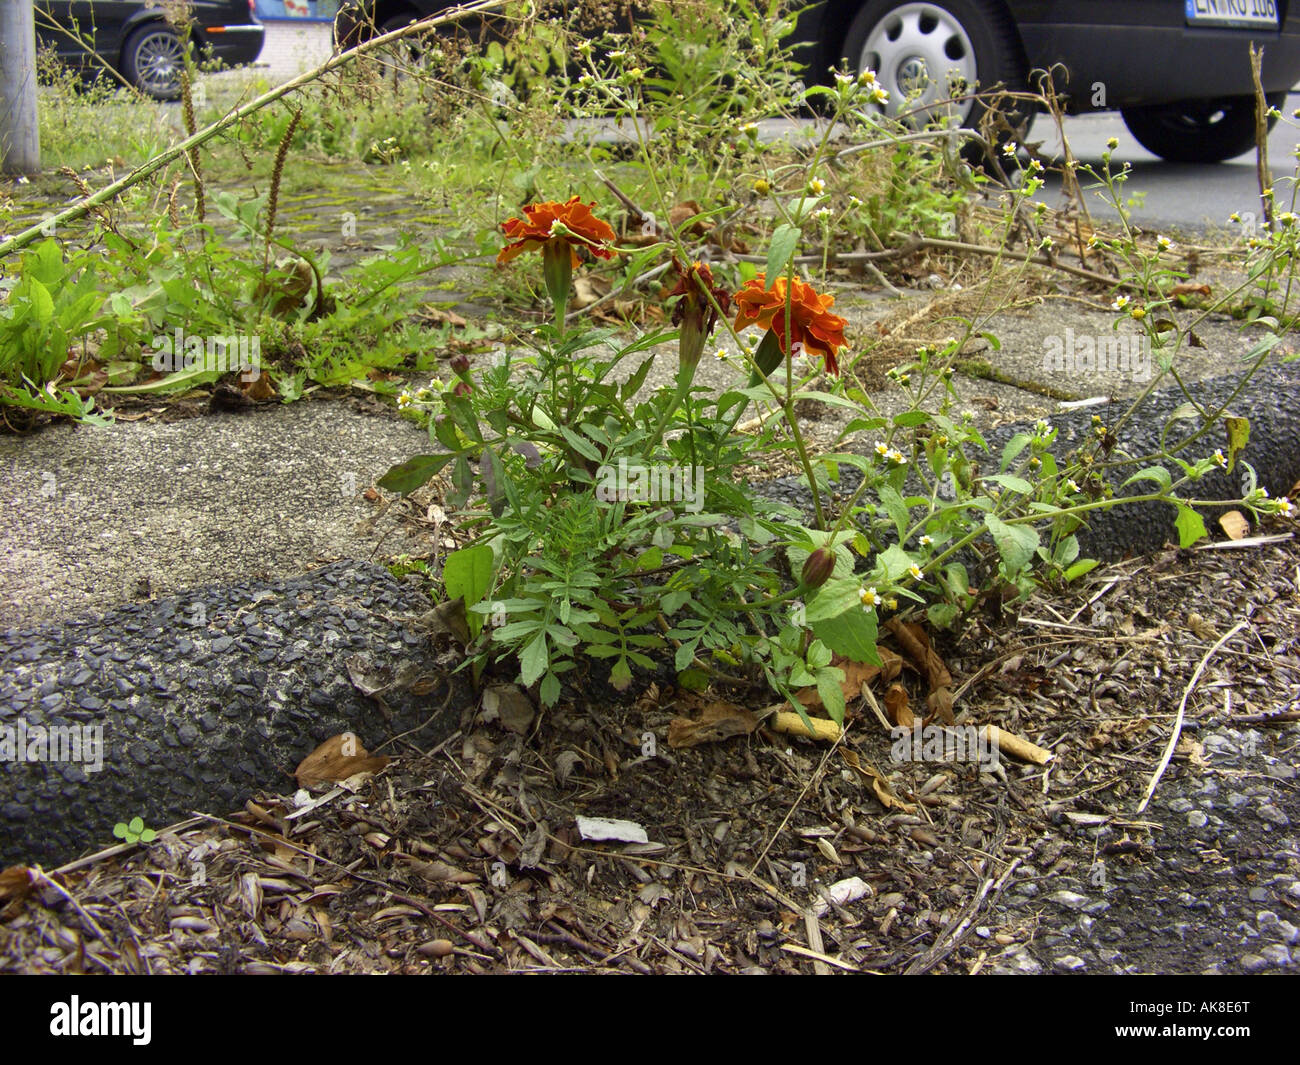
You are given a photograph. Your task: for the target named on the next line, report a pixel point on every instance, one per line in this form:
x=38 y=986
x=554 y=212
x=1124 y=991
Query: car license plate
x=1245 y=14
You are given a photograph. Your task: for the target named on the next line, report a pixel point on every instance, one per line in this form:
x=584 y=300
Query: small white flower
x=927 y=540
x=843 y=80
x=1219 y=460
x=1164 y=243
x=721 y=353
x=882 y=449
x=817 y=186
x=915 y=571
x=1121 y=302
x=1046 y=242
x=879 y=95
x=867 y=77
x=403 y=399
x=896 y=457
x=870 y=598
x=854 y=202
x=617 y=54
x=1035 y=167
x=1072 y=485
x=1288 y=218
x=749 y=127
x=1285 y=507
x=822 y=215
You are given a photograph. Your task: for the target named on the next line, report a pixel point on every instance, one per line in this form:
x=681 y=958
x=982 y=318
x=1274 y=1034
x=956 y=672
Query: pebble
x=1069 y=963
x=1016 y=961
x=1276 y=954
x=1270 y=813
x=1069 y=899
x=1196 y=819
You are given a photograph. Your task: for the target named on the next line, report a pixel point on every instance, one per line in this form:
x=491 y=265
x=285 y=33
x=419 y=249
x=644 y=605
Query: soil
x=467 y=857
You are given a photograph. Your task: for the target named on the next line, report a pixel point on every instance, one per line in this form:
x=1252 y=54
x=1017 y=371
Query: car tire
x=152 y=60
x=1199 y=131
x=904 y=42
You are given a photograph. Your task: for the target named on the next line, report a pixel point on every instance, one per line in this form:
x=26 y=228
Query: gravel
x=204 y=697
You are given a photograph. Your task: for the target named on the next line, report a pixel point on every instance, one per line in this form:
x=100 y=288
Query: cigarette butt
x=823 y=729
x=1007 y=743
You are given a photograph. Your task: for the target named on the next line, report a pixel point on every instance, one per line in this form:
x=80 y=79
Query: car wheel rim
x=920 y=54
x=158 y=62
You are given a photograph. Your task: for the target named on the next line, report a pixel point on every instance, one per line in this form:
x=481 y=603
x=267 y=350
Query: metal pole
x=20 y=141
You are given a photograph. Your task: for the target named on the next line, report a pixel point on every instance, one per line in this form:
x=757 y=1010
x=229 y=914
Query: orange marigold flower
x=811 y=323
x=571 y=222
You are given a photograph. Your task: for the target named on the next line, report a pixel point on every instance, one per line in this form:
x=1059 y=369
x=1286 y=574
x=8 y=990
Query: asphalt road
x=1180 y=197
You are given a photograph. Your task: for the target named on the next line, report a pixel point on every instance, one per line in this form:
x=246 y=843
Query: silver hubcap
x=158 y=62
x=921 y=54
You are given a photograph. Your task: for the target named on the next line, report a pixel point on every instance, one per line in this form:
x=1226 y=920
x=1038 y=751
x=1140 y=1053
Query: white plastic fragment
x=842 y=892
x=606 y=828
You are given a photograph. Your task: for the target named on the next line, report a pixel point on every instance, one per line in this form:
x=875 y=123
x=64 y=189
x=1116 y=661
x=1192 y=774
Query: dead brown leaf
x=719 y=721
x=916 y=643
x=878 y=784
x=682 y=212
x=338 y=758
x=1235 y=524
x=1190 y=288
x=897 y=704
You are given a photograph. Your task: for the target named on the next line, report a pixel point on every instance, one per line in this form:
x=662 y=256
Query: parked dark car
x=1178 y=71
x=134 y=38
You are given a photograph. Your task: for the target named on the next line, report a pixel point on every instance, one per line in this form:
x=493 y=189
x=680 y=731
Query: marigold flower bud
x=819 y=567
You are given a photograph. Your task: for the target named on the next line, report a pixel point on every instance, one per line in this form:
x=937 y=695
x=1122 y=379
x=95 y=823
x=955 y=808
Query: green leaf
x=895 y=562
x=942 y=615
x=1011 y=482
x=42 y=302
x=407 y=476
x=1084 y=565
x=893 y=504
x=1157 y=474
x=851 y=634
x=550 y=689
x=581 y=445
x=785 y=239
x=828 y=687
x=1238 y=438
x=1189 y=525
x=533 y=660
x=1015 y=445
x=832 y=599
x=620 y=675
x=633 y=384
x=1016 y=543
x=467 y=574
x=911 y=418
